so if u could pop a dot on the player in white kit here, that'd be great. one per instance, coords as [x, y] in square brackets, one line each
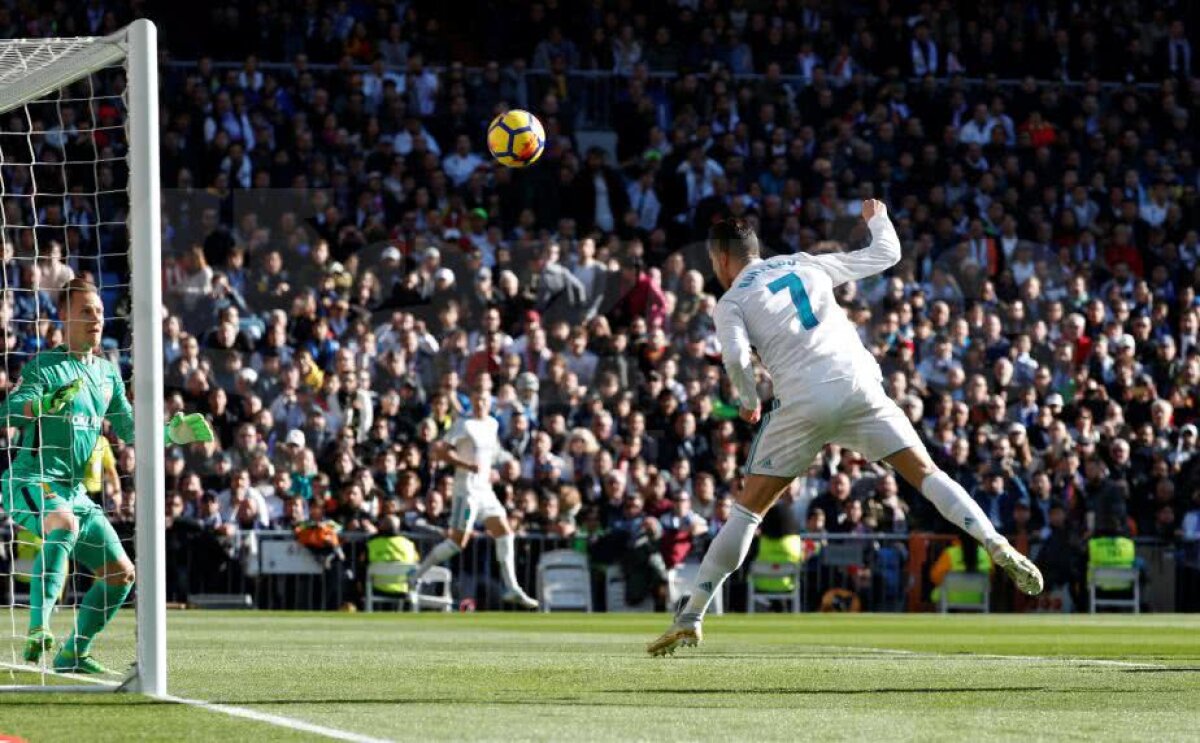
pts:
[472, 446]
[828, 388]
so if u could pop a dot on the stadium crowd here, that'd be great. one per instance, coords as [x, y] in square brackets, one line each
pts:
[343, 263]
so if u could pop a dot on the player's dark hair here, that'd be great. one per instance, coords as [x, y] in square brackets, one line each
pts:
[735, 237]
[76, 286]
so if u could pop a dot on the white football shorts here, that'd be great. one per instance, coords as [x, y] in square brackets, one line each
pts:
[469, 507]
[854, 413]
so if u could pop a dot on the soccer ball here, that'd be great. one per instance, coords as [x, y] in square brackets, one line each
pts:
[516, 138]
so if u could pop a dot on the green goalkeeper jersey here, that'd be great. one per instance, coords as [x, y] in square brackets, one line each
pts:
[56, 448]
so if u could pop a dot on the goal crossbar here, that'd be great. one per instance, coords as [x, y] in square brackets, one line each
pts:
[31, 69]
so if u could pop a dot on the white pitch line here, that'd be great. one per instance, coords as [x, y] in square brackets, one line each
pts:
[246, 713]
[290, 723]
[997, 656]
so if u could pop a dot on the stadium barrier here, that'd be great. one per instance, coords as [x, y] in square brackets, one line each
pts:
[841, 572]
[277, 572]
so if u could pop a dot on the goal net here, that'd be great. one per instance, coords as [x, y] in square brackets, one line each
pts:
[79, 199]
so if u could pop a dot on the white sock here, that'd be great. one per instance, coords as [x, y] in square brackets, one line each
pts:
[504, 558]
[443, 551]
[724, 556]
[959, 508]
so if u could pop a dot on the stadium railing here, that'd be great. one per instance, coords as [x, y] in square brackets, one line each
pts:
[841, 572]
[880, 573]
[277, 572]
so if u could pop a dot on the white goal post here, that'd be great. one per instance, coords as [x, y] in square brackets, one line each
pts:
[31, 70]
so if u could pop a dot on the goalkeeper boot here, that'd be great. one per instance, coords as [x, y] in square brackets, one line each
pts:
[68, 662]
[520, 599]
[38, 642]
[678, 636]
[1019, 567]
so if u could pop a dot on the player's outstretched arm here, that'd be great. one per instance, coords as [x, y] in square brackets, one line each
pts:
[735, 352]
[181, 429]
[880, 255]
[119, 412]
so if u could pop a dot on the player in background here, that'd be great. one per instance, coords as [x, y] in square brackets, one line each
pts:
[60, 403]
[472, 447]
[101, 470]
[828, 388]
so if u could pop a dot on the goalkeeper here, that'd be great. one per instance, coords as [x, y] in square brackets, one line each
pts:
[59, 405]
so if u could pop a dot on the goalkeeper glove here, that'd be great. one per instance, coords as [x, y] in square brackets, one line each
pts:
[56, 401]
[188, 429]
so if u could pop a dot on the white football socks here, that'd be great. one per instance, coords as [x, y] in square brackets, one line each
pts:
[443, 551]
[959, 508]
[505, 559]
[724, 556]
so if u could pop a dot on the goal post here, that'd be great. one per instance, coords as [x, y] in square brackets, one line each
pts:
[145, 235]
[38, 80]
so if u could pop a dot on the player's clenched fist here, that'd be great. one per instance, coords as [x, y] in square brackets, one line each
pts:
[871, 207]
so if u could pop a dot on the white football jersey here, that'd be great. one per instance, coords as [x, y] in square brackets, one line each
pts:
[784, 308]
[475, 440]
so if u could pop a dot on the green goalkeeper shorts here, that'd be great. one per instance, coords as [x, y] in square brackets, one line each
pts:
[27, 501]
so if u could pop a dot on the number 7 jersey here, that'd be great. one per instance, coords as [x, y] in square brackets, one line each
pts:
[784, 308]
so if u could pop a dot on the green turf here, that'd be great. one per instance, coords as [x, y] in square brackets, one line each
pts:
[508, 676]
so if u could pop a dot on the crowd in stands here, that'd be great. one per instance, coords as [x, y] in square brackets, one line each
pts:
[343, 262]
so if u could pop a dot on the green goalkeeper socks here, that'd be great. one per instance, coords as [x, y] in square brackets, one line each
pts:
[100, 605]
[49, 575]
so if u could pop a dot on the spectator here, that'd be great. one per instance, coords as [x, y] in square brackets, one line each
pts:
[681, 528]
[780, 544]
[834, 499]
[640, 297]
[551, 518]
[998, 495]
[962, 556]
[389, 546]
[243, 504]
[460, 164]
[557, 295]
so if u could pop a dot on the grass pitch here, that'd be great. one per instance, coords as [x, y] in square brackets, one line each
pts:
[571, 676]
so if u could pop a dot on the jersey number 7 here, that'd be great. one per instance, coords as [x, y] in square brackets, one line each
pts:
[795, 287]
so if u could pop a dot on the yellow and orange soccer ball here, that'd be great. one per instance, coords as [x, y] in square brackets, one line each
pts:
[516, 138]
